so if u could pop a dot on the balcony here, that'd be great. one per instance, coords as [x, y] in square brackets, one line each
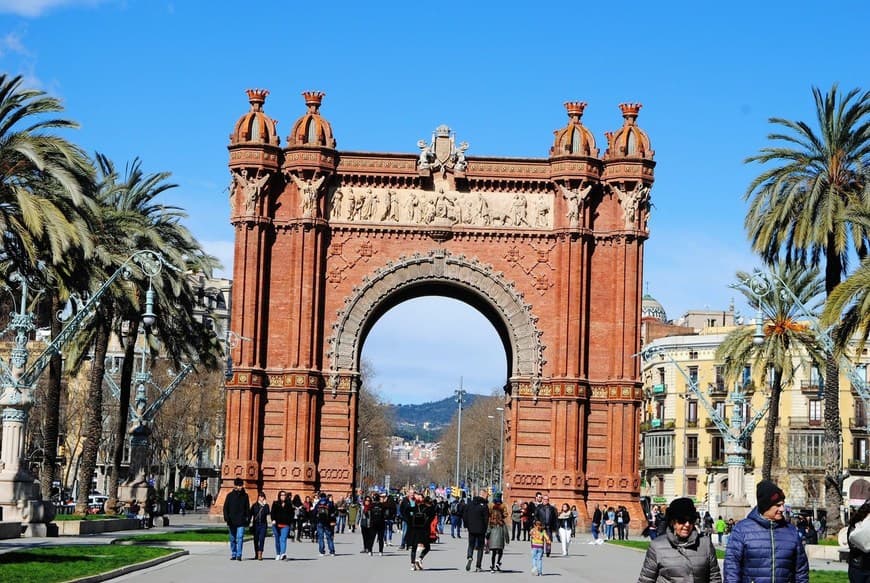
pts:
[813, 388]
[859, 465]
[714, 462]
[804, 422]
[657, 425]
[859, 425]
[749, 387]
[693, 423]
[717, 389]
[710, 425]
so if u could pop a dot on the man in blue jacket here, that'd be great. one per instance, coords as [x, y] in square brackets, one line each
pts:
[764, 547]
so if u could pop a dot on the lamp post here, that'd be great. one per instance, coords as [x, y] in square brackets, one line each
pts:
[19, 495]
[501, 451]
[460, 395]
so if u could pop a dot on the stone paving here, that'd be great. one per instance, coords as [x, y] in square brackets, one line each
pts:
[210, 561]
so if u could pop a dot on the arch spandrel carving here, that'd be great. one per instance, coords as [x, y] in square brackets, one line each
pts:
[438, 266]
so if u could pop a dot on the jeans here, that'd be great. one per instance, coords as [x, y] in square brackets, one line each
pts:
[403, 544]
[388, 532]
[476, 541]
[456, 526]
[259, 537]
[594, 531]
[538, 560]
[341, 523]
[517, 528]
[280, 534]
[237, 539]
[608, 531]
[324, 535]
[565, 538]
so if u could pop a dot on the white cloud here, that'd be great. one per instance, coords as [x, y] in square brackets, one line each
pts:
[36, 8]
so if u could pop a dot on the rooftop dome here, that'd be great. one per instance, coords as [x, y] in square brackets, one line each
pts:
[311, 129]
[629, 141]
[574, 139]
[651, 308]
[255, 127]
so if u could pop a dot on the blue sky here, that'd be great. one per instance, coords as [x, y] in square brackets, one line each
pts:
[165, 81]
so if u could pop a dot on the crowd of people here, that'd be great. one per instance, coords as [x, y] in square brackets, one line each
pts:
[765, 547]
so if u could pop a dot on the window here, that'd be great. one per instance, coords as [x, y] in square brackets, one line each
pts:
[719, 406]
[815, 412]
[693, 355]
[720, 377]
[805, 449]
[711, 322]
[661, 370]
[660, 409]
[658, 450]
[660, 485]
[693, 375]
[860, 413]
[745, 409]
[691, 450]
[747, 375]
[860, 450]
[692, 411]
[718, 449]
[692, 486]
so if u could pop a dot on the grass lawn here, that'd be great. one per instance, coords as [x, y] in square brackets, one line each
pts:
[63, 517]
[815, 576]
[211, 535]
[63, 563]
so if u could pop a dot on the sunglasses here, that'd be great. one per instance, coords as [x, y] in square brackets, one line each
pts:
[684, 520]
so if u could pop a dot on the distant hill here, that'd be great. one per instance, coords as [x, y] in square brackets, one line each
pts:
[410, 418]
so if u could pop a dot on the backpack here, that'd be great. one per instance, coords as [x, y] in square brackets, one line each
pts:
[454, 507]
[377, 514]
[323, 511]
[418, 517]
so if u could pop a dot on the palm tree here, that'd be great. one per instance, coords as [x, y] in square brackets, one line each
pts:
[42, 176]
[44, 217]
[797, 213]
[785, 336]
[848, 306]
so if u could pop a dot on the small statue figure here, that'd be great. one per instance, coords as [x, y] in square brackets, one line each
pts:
[542, 209]
[337, 197]
[631, 202]
[519, 210]
[411, 207]
[461, 163]
[252, 187]
[425, 155]
[308, 193]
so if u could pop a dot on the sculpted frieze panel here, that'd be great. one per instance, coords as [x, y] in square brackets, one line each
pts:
[440, 207]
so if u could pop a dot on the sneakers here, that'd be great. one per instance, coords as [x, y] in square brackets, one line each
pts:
[370, 553]
[534, 571]
[419, 564]
[381, 554]
[492, 569]
[498, 566]
[478, 570]
[322, 554]
[468, 564]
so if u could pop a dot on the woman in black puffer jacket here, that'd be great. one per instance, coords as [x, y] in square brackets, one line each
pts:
[683, 554]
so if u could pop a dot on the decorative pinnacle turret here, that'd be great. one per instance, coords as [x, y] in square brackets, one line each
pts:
[575, 109]
[257, 97]
[313, 100]
[630, 111]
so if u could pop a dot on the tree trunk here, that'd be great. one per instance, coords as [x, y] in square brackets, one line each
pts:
[124, 386]
[93, 421]
[772, 424]
[833, 427]
[52, 407]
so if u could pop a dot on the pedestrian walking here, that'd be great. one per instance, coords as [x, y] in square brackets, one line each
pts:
[282, 516]
[260, 519]
[764, 547]
[858, 537]
[420, 513]
[566, 527]
[476, 519]
[682, 554]
[498, 536]
[720, 527]
[237, 508]
[539, 541]
[324, 517]
[516, 519]
[596, 523]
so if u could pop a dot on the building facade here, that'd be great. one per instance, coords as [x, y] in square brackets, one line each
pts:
[684, 452]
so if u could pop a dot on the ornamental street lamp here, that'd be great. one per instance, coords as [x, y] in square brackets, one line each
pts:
[20, 499]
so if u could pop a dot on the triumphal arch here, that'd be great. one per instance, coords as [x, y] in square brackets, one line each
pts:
[549, 249]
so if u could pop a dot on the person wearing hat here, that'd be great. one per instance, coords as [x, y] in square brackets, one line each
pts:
[764, 547]
[683, 553]
[237, 512]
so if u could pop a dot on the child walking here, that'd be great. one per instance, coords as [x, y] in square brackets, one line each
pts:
[498, 535]
[539, 538]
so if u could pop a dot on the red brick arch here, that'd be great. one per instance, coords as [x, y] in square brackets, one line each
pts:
[549, 249]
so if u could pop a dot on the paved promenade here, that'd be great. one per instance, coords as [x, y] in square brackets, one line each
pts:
[210, 562]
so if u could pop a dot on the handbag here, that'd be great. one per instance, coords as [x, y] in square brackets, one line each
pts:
[859, 537]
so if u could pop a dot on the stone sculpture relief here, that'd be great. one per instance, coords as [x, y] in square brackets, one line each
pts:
[442, 207]
[251, 186]
[576, 201]
[308, 193]
[631, 201]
